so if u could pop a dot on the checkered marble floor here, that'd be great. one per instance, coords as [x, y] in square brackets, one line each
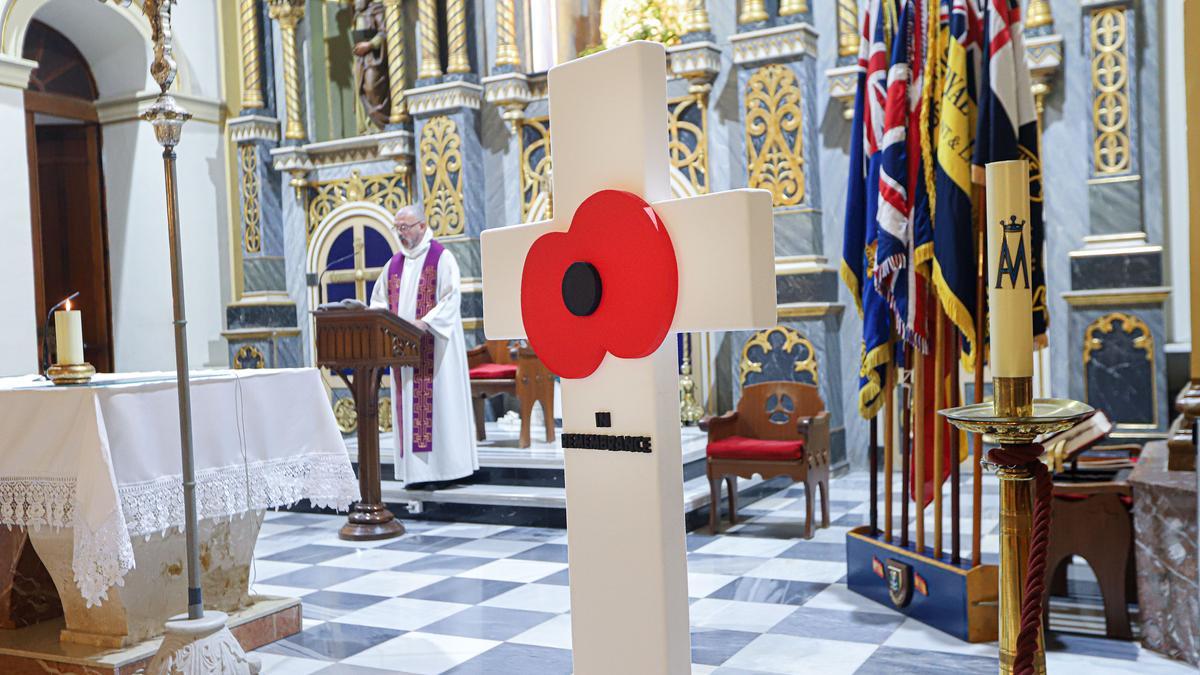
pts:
[467, 598]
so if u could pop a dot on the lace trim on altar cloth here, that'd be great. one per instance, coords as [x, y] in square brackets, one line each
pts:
[102, 556]
[326, 480]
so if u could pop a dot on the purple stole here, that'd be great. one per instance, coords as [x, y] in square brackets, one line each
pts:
[422, 436]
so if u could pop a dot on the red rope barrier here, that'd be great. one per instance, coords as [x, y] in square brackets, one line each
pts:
[1035, 576]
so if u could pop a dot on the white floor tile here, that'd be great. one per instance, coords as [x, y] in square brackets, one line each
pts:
[534, 597]
[490, 548]
[755, 617]
[554, 633]
[467, 530]
[374, 559]
[263, 570]
[913, 634]
[795, 569]
[274, 664]
[387, 583]
[280, 591]
[839, 597]
[402, 613]
[524, 571]
[747, 546]
[701, 584]
[1148, 663]
[790, 654]
[270, 529]
[421, 653]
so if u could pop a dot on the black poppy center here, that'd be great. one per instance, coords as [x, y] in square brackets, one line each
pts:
[581, 289]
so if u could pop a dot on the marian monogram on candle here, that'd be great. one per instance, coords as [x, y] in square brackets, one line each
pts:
[1014, 266]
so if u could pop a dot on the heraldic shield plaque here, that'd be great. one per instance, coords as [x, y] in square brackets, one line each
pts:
[899, 582]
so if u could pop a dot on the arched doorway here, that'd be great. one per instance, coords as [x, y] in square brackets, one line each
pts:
[70, 239]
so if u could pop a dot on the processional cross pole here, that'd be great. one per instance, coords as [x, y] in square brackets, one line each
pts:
[597, 290]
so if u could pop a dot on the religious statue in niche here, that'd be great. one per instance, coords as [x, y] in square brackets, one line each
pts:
[370, 60]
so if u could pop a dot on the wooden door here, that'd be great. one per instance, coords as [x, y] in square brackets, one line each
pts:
[70, 230]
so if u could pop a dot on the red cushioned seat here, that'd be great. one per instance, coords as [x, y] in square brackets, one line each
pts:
[494, 371]
[740, 447]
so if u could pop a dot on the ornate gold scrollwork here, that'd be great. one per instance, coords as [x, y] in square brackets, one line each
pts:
[251, 215]
[774, 144]
[441, 166]
[389, 190]
[385, 414]
[536, 166]
[687, 142]
[345, 415]
[249, 357]
[1111, 152]
[806, 360]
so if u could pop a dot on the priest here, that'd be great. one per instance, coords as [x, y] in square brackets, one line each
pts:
[433, 427]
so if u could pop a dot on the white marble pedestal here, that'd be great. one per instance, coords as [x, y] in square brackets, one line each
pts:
[156, 589]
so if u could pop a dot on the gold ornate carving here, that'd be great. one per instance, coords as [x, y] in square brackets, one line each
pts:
[506, 35]
[289, 13]
[385, 414]
[345, 414]
[389, 190]
[847, 26]
[1111, 152]
[251, 215]
[430, 59]
[393, 22]
[441, 167]
[252, 90]
[774, 146]
[687, 141]
[456, 37]
[805, 363]
[792, 7]
[249, 357]
[753, 11]
[536, 199]
[695, 19]
[1143, 340]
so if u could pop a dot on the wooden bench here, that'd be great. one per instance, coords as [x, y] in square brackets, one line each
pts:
[496, 368]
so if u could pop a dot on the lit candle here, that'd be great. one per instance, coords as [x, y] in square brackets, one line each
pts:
[1010, 298]
[68, 329]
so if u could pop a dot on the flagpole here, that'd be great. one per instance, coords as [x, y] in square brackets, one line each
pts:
[918, 463]
[938, 460]
[905, 428]
[889, 417]
[977, 440]
[955, 460]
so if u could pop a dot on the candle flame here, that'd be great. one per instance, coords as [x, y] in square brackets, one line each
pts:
[68, 305]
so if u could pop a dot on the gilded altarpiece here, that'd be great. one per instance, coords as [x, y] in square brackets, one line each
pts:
[441, 167]
[389, 190]
[774, 138]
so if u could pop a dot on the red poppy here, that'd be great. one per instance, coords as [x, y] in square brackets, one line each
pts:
[609, 284]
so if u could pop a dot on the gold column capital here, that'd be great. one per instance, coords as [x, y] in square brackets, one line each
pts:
[430, 58]
[695, 20]
[753, 11]
[506, 35]
[287, 12]
[1038, 15]
[456, 37]
[848, 29]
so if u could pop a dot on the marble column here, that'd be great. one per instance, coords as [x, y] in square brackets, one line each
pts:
[777, 94]
[1117, 321]
[289, 13]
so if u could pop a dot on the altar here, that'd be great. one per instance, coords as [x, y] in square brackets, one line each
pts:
[91, 475]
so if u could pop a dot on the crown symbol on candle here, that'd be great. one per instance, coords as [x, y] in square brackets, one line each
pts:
[1012, 225]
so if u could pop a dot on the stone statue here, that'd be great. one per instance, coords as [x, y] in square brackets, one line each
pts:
[370, 60]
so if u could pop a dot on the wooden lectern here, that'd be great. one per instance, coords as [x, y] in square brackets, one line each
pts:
[366, 342]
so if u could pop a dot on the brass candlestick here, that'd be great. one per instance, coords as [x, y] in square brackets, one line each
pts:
[1016, 419]
[70, 373]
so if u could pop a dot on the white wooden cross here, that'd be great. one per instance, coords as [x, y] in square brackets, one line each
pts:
[625, 521]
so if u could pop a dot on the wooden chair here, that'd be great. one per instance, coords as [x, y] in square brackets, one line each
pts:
[493, 370]
[778, 429]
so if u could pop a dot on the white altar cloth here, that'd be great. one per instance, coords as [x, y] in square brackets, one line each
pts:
[105, 458]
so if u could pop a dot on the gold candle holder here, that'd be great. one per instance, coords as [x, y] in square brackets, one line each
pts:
[1015, 418]
[70, 373]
